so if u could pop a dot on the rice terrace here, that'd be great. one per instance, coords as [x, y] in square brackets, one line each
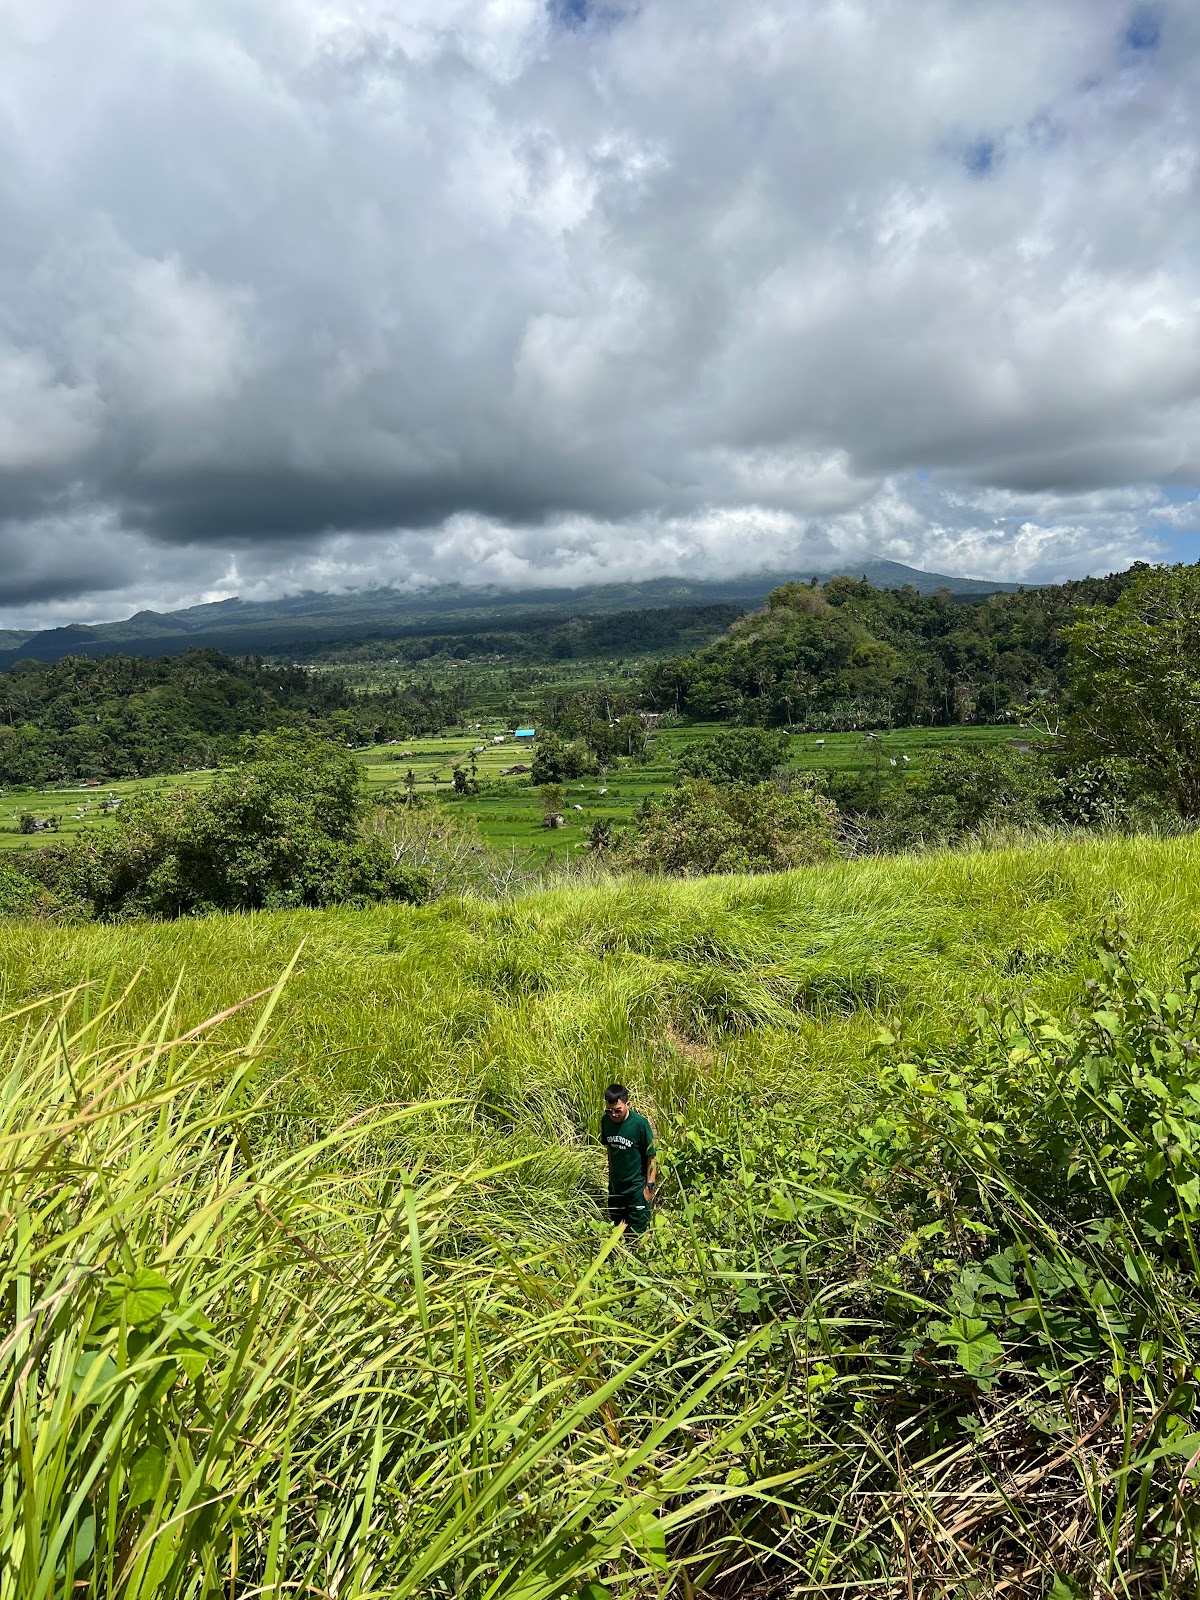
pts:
[599, 800]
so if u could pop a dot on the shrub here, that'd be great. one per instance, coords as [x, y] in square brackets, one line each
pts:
[958, 793]
[20, 893]
[282, 828]
[430, 843]
[556, 761]
[993, 1287]
[739, 755]
[738, 827]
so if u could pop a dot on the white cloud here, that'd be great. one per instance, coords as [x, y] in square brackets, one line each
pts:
[346, 291]
[997, 534]
[44, 422]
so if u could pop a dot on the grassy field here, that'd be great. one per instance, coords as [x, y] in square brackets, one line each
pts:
[320, 1298]
[509, 812]
[695, 991]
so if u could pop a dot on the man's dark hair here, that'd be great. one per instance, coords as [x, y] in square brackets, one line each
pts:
[615, 1092]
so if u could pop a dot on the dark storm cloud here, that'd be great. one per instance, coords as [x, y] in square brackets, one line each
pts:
[212, 504]
[312, 292]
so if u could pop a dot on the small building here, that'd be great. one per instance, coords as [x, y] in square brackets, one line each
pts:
[523, 733]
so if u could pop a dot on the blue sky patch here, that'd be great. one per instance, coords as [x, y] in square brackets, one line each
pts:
[570, 13]
[1144, 29]
[591, 16]
[980, 157]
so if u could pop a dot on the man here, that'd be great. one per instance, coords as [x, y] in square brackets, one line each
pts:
[632, 1160]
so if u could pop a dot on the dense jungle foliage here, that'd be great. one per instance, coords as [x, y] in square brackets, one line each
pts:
[846, 655]
[131, 716]
[284, 825]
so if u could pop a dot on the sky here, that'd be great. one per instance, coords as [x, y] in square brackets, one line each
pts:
[324, 294]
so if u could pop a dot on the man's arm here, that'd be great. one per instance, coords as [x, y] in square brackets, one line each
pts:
[651, 1158]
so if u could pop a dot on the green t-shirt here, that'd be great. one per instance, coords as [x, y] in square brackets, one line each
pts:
[630, 1144]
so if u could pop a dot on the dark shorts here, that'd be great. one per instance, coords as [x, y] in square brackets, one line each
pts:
[634, 1210]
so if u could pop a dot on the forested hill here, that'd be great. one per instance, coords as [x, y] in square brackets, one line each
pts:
[133, 716]
[307, 622]
[846, 655]
[530, 639]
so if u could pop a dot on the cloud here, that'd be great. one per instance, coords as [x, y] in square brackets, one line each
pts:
[321, 292]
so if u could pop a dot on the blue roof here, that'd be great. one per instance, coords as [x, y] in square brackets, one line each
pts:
[522, 733]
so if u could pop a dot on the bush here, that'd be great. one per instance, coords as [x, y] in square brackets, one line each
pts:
[280, 829]
[740, 755]
[993, 1284]
[738, 827]
[20, 893]
[430, 843]
[556, 761]
[1135, 684]
[958, 793]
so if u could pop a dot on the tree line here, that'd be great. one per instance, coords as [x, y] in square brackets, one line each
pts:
[535, 641]
[137, 716]
[844, 655]
[1115, 745]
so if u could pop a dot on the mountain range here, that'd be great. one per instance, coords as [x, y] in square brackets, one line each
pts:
[270, 627]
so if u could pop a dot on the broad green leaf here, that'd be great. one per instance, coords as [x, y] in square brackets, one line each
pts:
[78, 1551]
[974, 1346]
[1063, 1589]
[145, 1476]
[191, 1361]
[649, 1540]
[92, 1371]
[144, 1294]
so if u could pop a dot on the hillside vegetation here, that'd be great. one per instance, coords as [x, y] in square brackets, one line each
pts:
[130, 716]
[918, 1311]
[309, 1280]
[848, 655]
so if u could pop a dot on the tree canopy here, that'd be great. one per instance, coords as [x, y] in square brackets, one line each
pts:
[738, 755]
[846, 655]
[134, 716]
[1135, 682]
[700, 827]
[280, 828]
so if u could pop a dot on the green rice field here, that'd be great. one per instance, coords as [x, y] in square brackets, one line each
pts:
[509, 812]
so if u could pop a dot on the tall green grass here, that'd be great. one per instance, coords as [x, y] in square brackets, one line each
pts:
[313, 1292]
[233, 1370]
[533, 1003]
